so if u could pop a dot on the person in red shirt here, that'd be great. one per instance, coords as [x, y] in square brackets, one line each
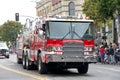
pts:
[102, 54]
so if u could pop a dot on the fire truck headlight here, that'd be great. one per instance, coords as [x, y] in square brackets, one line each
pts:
[86, 53]
[53, 48]
[88, 48]
[49, 48]
[57, 48]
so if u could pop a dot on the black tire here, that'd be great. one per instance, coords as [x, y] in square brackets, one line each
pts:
[19, 61]
[24, 61]
[7, 56]
[83, 69]
[42, 68]
[28, 65]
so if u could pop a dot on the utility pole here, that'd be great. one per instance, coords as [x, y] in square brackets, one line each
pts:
[116, 27]
[104, 37]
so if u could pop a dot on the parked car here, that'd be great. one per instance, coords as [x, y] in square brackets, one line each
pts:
[4, 50]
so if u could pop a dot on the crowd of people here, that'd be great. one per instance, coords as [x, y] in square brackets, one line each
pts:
[108, 54]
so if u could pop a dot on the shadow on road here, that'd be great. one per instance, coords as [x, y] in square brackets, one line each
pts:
[69, 72]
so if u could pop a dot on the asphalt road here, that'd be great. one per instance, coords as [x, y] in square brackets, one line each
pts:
[10, 70]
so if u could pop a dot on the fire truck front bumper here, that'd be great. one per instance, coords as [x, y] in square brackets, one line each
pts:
[61, 58]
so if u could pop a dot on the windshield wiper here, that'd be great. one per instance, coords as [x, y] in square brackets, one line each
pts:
[77, 34]
[73, 31]
[66, 35]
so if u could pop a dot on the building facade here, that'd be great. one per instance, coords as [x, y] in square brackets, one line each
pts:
[59, 7]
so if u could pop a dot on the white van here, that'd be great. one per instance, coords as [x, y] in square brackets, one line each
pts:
[4, 50]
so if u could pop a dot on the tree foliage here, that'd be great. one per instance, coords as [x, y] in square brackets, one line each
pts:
[101, 10]
[9, 30]
[90, 8]
[106, 9]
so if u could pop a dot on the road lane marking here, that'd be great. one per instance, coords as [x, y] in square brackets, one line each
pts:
[23, 73]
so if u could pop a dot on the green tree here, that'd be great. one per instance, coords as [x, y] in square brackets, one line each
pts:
[90, 8]
[9, 30]
[106, 9]
[101, 10]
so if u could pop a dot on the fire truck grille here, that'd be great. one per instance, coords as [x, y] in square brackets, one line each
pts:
[73, 49]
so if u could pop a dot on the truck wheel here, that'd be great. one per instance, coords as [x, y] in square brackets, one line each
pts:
[83, 69]
[7, 56]
[24, 61]
[42, 68]
[19, 61]
[28, 65]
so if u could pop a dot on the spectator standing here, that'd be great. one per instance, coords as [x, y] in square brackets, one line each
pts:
[112, 58]
[107, 55]
[105, 45]
[116, 51]
[102, 54]
[97, 52]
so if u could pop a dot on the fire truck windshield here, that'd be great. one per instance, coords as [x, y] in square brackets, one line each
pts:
[70, 30]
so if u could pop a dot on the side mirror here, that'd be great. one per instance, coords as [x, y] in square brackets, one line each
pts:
[88, 36]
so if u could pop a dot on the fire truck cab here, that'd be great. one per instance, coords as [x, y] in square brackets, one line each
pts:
[60, 43]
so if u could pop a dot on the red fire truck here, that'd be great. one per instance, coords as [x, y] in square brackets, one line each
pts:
[60, 43]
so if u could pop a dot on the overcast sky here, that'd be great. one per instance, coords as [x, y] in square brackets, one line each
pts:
[8, 8]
